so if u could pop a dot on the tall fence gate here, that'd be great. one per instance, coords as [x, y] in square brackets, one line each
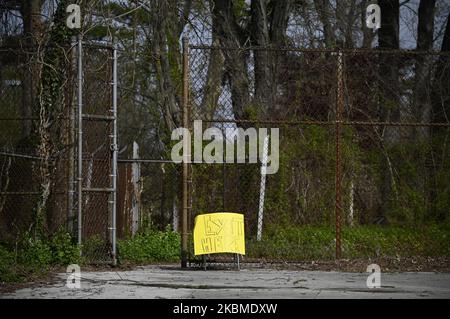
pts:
[78, 163]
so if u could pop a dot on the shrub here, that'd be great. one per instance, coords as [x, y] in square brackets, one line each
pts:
[7, 270]
[34, 256]
[64, 250]
[151, 246]
[35, 253]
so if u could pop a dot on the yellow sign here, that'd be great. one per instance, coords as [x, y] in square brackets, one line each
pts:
[219, 233]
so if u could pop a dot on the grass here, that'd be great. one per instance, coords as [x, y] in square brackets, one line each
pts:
[318, 243]
[34, 257]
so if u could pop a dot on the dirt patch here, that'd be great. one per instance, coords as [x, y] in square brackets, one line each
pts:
[42, 279]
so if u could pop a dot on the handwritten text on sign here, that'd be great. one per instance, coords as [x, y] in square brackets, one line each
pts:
[219, 233]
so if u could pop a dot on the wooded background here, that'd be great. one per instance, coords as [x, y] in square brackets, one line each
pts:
[259, 63]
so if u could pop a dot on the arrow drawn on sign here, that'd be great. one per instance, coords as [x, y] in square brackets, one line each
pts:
[213, 227]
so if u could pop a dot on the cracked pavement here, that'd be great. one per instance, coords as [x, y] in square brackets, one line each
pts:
[172, 282]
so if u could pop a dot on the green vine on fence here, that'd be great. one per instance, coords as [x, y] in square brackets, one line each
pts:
[51, 105]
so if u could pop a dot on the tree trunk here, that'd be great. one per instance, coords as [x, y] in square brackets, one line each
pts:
[422, 95]
[264, 81]
[368, 34]
[231, 36]
[324, 12]
[389, 110]
[32, 28]
[161, 32]
[279, 18]
[214, 77]
[422, 103]
[279, 21]
[440, 114]
[441, 95]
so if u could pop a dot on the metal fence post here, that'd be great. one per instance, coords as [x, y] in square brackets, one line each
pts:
[262, 189]
[185, 201]
[114, 148]
[80, 139]
[338, 177]
[71, 142]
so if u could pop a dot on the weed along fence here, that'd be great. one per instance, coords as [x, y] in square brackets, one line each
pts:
[343, 153]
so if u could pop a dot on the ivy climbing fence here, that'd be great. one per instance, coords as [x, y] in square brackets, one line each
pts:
[58, 144]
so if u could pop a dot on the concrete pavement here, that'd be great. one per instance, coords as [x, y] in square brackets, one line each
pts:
[172, 282]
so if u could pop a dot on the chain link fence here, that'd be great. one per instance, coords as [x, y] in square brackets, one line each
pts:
[363, 153]
[363, 157]
[24, 174]
[40, 141]
[97, 151]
